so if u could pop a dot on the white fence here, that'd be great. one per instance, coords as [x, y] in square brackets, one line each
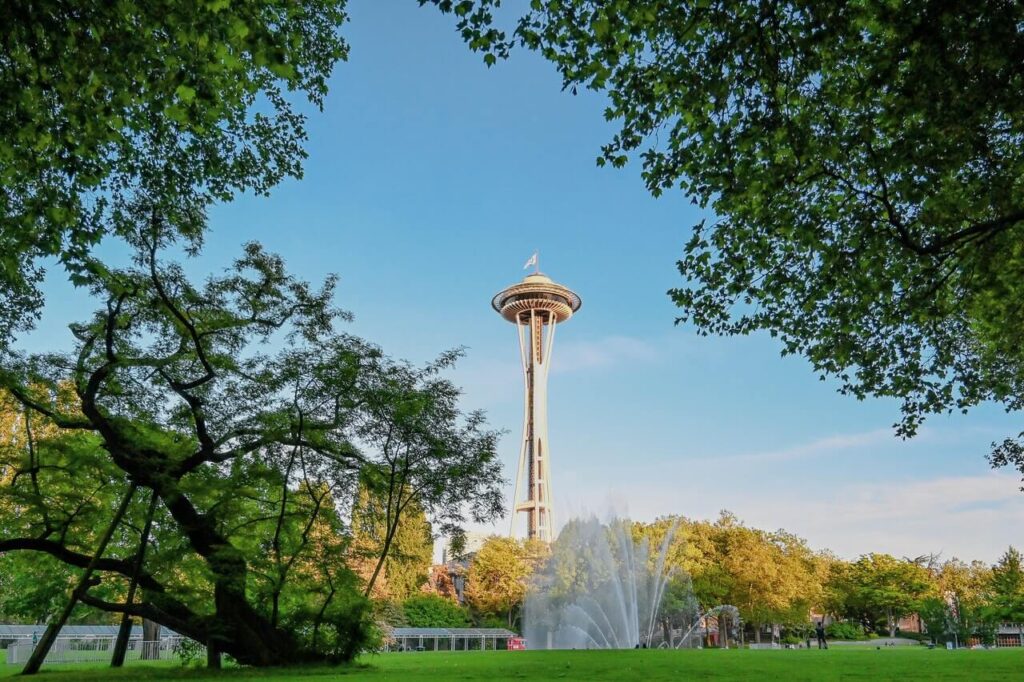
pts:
[94, 650]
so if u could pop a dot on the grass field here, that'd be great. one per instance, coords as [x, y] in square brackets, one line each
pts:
[599, 666]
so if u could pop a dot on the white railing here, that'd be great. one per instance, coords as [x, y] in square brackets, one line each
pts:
[93, 650]
[446, 642]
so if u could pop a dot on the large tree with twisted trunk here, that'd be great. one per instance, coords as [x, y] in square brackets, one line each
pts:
[172, 389]
[132, 122]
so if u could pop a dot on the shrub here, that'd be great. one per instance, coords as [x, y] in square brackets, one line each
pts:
[431, 611]
[390, 613]
[845, 631]
[189, 652]
[492, 621]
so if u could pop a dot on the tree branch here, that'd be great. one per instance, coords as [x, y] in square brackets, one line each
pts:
[63, 421]
[77, 559]
[179, 623]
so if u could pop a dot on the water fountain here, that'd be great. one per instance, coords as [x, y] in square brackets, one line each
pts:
[599, 589]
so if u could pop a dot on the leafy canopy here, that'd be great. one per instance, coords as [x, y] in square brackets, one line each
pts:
[496, 582]
[877, 590]
[404, 559]
[101, 98]
[432, 611]
[191, 100]
[1007, 586]
[864, 162]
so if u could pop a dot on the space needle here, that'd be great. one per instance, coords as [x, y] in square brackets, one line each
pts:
[536, 306]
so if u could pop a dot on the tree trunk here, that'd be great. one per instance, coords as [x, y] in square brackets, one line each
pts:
[212, 656]
[125, 631]
[35, 661]
[150, 640]
[236, 628]
[323, 609]
[389, 537]
[245, 634]
[757, 632]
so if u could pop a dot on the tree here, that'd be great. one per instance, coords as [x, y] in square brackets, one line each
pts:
[35, 461]
[1008, 574]
[966, 582]
[679, 608]
[937, 617]
[245, 450]
[805, 572]
[691, 553]
[767, 583]
[406, 564]
[862, 162]
[960, 607]
[712, 583]
[964, 587]
[1007, 586]
[32, 589]
[879, 589]
[431, 611]
[429, 461]
[773, 578]
[409, 560]
[497, 579]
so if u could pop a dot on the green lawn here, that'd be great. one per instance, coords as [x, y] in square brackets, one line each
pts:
[597, 666]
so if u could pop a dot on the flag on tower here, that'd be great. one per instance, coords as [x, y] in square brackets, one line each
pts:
[532, 261]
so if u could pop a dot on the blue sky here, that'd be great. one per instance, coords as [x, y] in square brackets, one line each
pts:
[431, 179]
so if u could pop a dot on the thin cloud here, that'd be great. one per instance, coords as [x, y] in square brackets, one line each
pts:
[821, 446]
[970, 517]
[968, 496]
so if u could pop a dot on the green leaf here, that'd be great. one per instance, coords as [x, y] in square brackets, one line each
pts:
[185, 93]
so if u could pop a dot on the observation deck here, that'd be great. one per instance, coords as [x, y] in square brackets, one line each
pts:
[537, 292]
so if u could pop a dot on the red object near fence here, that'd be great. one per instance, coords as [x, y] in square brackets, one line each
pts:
[516, 644]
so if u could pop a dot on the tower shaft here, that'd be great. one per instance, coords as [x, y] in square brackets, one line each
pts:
[535, 346]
